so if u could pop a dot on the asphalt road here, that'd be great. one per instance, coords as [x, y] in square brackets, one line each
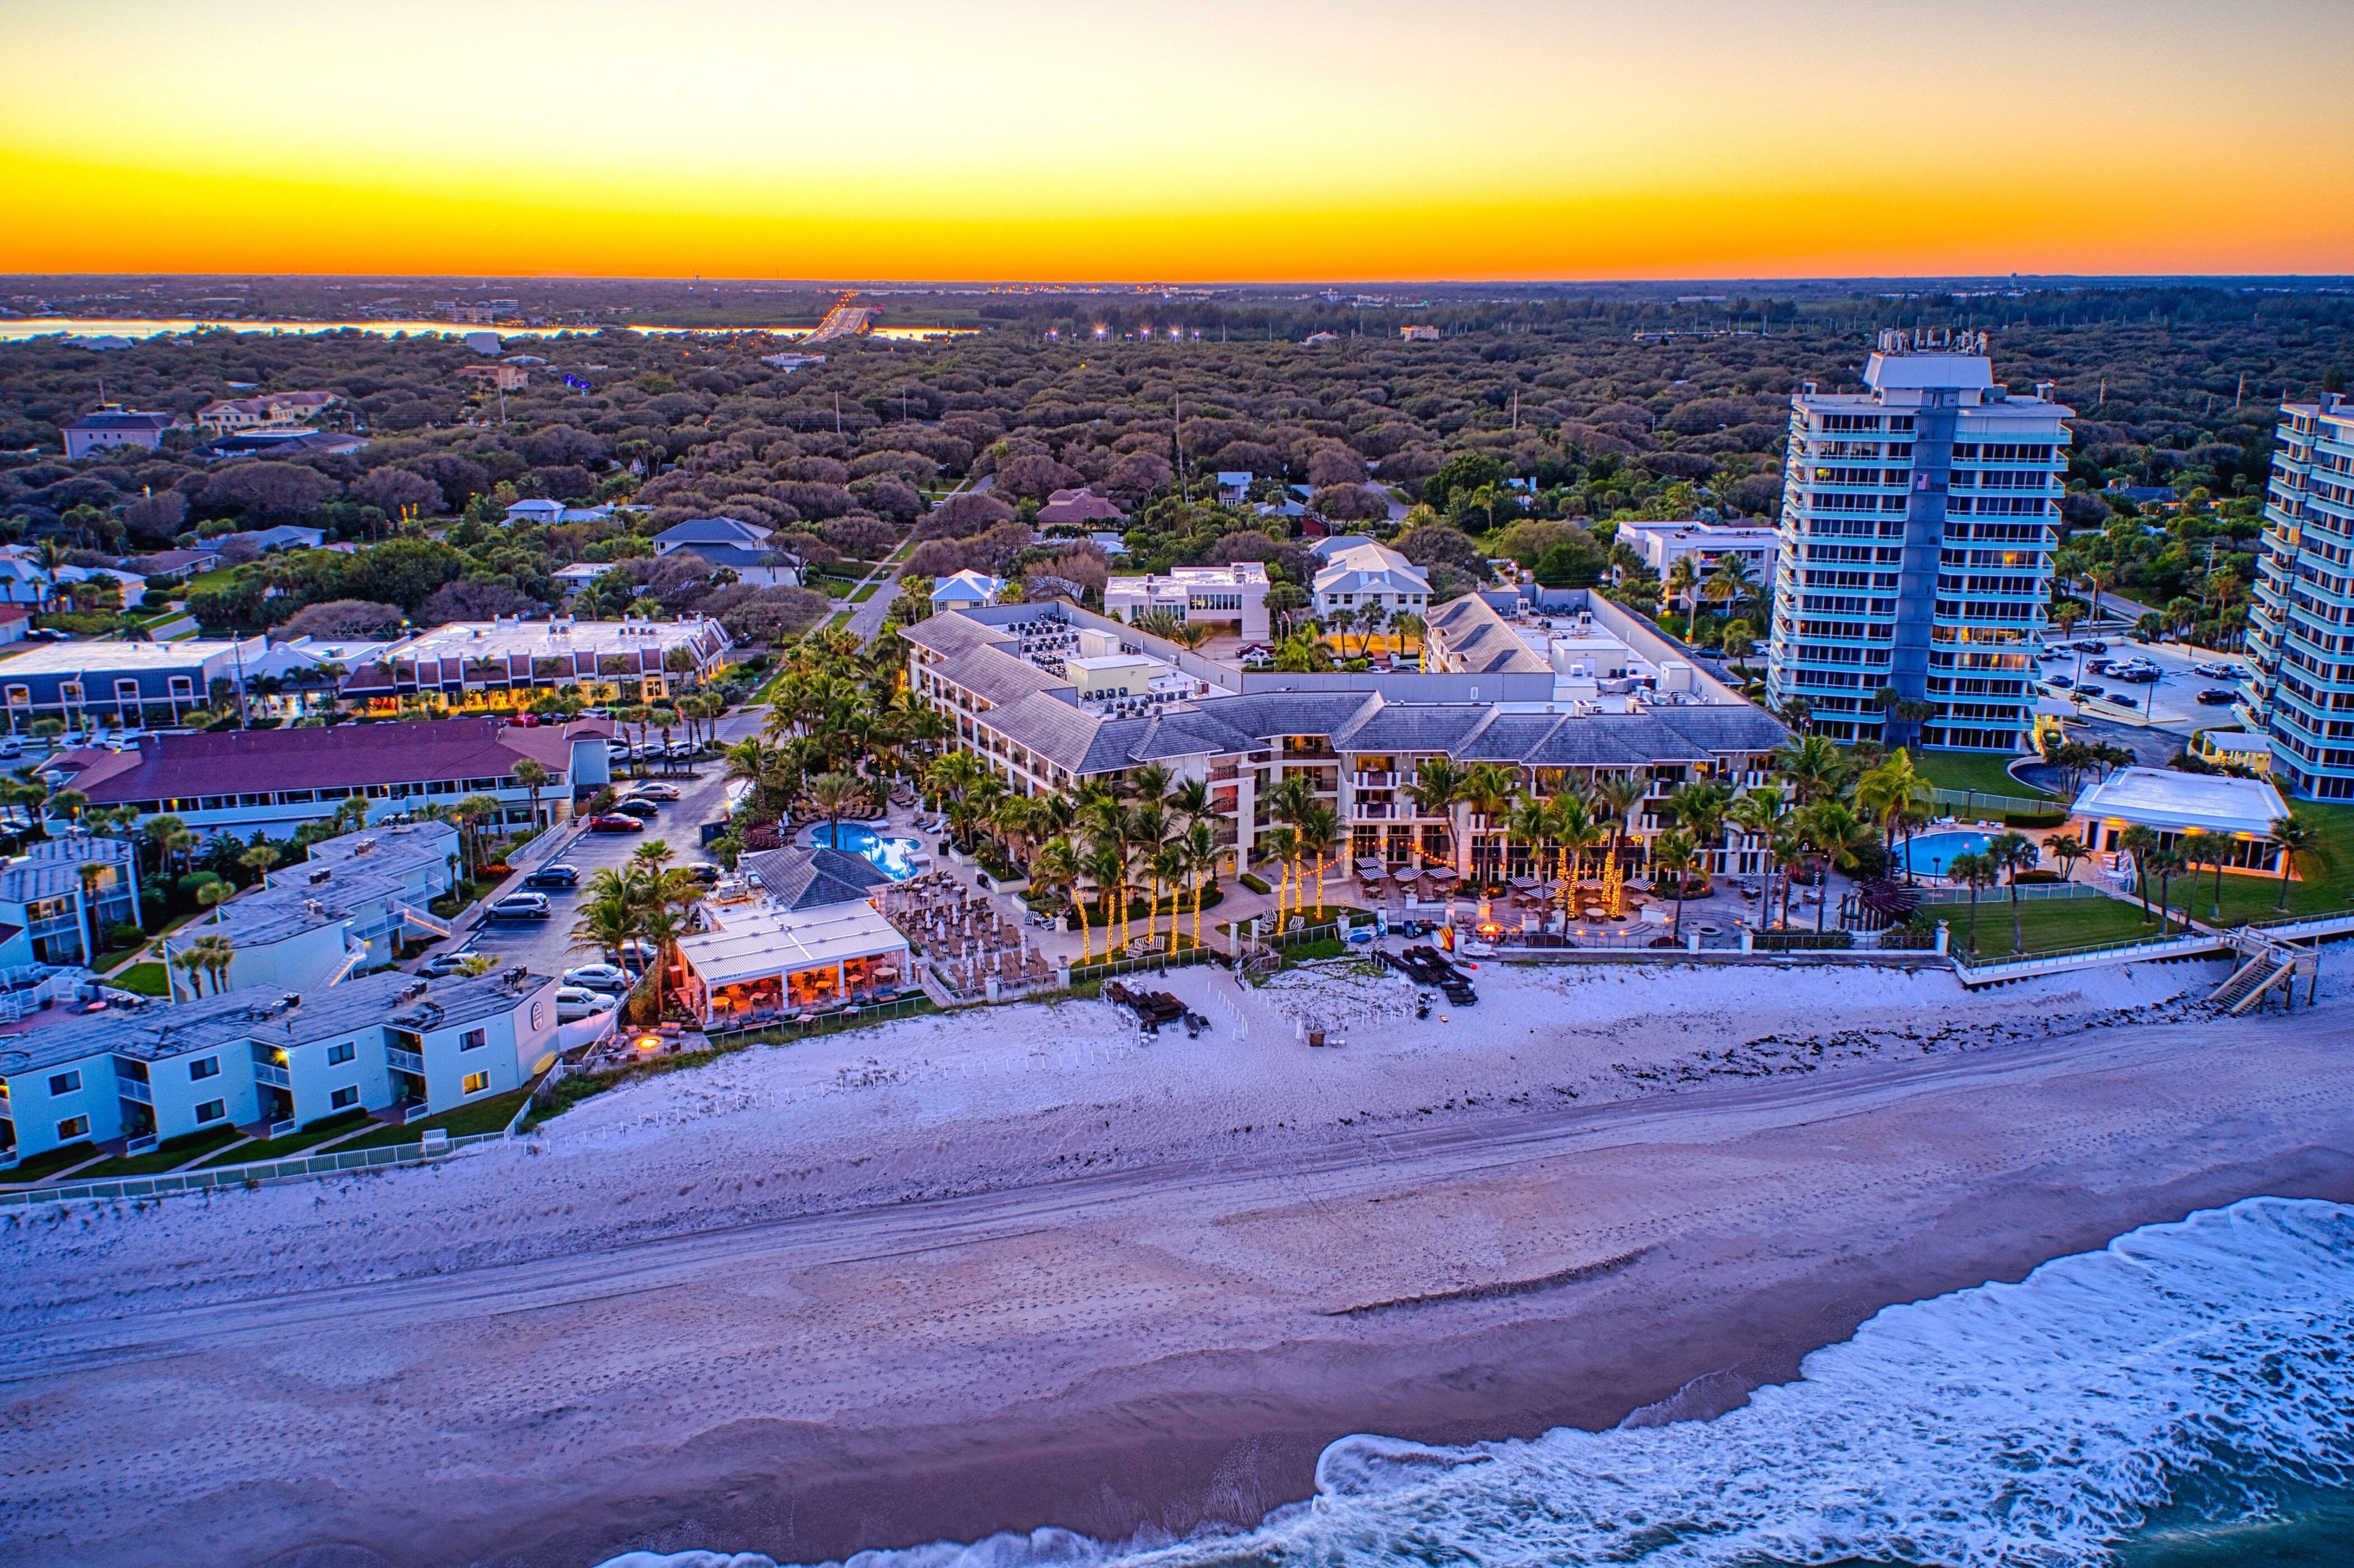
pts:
[2172, 704]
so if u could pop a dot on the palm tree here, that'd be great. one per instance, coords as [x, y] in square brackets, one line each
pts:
[1891, 793]
[1677, 587]
[2012, 853]
[192, 963]
[1814, 766]
[1530, 820]
[1318, 829]
[1283, 847]
[1834, 833]
[1435, 791]
[2168, 862]
[2296, 836]
[533, 775]
[1488, 789]
[2067, 849]
[663, 926]
[1055, 868]
[1729, 584]
[1105, 865]
[1671, 855]
[1764, 813]
[2141, 843]
[833, 795]
[1615, 797]
[214, 955]
[1199, 845]
[1972, 871]
[1699, 808]
[2199, 848]
[607, 924]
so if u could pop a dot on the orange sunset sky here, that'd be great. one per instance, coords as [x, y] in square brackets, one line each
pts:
[1214, 141]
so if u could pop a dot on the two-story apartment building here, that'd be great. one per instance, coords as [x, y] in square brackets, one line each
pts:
[57, 898]
[123, 685]
[1660, 545]
[344, 911]
[503, 665]
[271, 1061]
[274, 780]
[262, 411]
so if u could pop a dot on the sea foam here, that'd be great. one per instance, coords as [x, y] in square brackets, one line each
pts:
[2027, 1425]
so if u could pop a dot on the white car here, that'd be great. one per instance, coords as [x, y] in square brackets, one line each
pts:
[600, 978]
[573, 1002]
[654, 792]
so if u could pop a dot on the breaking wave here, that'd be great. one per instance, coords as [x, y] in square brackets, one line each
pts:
[2205, 1366]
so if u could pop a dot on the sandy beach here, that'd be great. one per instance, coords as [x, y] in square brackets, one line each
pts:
[1018, 1268]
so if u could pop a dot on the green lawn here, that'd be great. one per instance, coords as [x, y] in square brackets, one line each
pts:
[294, 1142]
[484, 1116]
[2325, 882]
[148, 980]
[205, 582]
[865, 593]
[50, 1162]
[2048, 926]
[1979, 770]
[171, 1152]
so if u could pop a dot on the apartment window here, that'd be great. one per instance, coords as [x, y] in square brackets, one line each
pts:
[69, 691]
[340, 1052]
[212, 1110]
[126, 691]
[73, 1127]
[20, 697]
[64, 1083]
[473, 1040]
[476, 1083]
[204, 1067]
[344, 1098]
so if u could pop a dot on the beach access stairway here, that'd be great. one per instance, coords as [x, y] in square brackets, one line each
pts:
[2266, 962]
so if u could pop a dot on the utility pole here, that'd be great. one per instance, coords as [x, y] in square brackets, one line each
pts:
[837, 416]
[1177, 445]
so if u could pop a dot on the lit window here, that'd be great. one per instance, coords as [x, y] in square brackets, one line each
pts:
[212, 1110]
[476, 1083]
[73, 1127]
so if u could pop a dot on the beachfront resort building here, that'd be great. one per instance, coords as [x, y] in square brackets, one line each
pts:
[121, 686]
[274, 780]
[270, 1061]
[2298, 690]
[492, 667]
[2174, 804]
[1231, 597]
[1567, 702]
[1919, 521]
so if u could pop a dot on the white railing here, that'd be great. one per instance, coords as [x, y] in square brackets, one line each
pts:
[135, 1090]
[407, 1061]
[270, 1170]
[276, 1077]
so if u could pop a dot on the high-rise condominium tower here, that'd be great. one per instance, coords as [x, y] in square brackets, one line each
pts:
[2301, 613]
[1918, 521]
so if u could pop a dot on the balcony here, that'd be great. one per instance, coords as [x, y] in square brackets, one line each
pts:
[272, 1077]
[1373, 811]
[1375, 780]
[134, 1089]
[405, 1061]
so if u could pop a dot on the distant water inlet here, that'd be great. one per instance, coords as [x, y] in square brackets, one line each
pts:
[18, 329]
[2180, 1397]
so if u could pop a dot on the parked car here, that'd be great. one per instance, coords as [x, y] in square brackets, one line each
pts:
[707, 872]
[615, 823]
[2092, 645]
[518, 907]
[2216, 697]
[441, 964]
[681, 751]
[2090, 690]
[555, 875]
[2063, 681]
[644, 810]
[573, 1002]
[654, 789]
[600, 978]
[2216, 671]
[12, 747]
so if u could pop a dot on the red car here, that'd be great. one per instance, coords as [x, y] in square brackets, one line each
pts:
[614, 822]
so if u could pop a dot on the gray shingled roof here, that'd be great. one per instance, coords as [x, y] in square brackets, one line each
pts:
[1480, 640]
[801, 876]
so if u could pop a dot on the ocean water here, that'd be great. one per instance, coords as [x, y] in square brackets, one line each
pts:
[2184, 1398]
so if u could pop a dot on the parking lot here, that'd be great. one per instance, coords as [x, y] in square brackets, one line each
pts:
[2170, 703]
[545, 946]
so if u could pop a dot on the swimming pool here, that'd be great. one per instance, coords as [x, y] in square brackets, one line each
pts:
[894, 857]
[1929, 855]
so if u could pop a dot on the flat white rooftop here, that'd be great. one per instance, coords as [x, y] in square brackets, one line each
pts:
[2175, 803]
[759, 941]
[497, 638]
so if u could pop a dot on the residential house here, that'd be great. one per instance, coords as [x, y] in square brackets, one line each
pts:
[965, 590]
[15, 621]
[722, 531]
[760, 567]
[1233, 485]
[495, 378]
[267, 410]
[1358, 574]
[1418, 332]
[271, 1061]
[1080, 508]
[288, 537]
[111, 425]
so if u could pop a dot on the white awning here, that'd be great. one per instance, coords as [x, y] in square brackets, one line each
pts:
[756, 941]
[2177, 802]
